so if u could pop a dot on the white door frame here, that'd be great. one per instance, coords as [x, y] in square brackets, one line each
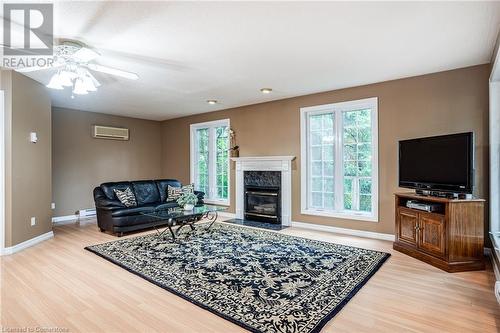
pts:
[2, 172]
[494, 90]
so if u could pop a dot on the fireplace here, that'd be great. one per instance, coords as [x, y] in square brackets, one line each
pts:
[263, 196]
[264, 187]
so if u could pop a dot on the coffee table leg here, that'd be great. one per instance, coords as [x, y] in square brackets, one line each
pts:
[178, 230]
[212, 220]
[171, 232]
[169, 227]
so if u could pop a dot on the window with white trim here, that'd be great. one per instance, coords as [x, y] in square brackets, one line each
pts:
[339, 164]
[210, 160]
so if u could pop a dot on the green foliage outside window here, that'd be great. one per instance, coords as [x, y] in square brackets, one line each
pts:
[357, 144]
[222, 143]
[202, 137]
[221, 159]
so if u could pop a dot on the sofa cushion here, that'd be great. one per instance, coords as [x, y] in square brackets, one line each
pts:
[163, 187]
[126, 197]
[132, 211]
[102, 201]
[146, 192]
[174, 193]
[109, 188]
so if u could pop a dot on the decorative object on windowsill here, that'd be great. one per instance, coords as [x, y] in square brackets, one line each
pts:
[187, 201]
[234, 150]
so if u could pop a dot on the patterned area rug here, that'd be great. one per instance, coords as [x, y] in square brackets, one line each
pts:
[261, 280]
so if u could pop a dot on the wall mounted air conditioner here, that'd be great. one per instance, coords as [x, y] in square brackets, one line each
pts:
[111, 133]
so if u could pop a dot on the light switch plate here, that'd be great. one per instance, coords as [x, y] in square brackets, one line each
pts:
[53, 205]
[33, 221]
[33, 137]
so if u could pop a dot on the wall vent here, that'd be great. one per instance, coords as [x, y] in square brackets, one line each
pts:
[110, 133]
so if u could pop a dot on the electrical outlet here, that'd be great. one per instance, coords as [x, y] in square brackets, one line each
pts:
[33, 221]
[53, 205]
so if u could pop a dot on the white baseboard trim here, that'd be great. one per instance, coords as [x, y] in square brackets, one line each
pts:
[496, 270]
[227, 214]
[28, 243]
[73, 218]
[345, 231]
[62, 219]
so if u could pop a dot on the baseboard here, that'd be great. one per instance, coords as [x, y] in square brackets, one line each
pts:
[62, 219]
[344, 231]
[227, 214]
[28, 243]
[496, 269]
[72, 218]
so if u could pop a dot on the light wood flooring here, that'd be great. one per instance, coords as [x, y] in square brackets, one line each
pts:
[58, 284]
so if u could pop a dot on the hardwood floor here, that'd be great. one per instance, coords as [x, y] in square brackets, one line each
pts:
[58, 284]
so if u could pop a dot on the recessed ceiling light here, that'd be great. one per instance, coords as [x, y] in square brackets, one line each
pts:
[266, 90]
[212, 101]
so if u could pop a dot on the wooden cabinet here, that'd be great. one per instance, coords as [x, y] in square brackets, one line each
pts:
[450, 238]
[431, 234]
[407, 226]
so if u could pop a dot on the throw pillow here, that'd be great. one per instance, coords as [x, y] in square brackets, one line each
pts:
[126, 197]
[175, 193]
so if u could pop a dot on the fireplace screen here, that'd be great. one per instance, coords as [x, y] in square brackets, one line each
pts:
[262, 204]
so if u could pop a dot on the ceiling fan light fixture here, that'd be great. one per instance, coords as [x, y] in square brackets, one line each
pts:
[55, 82]
[66, 78]
[79, 88]
[87, 83]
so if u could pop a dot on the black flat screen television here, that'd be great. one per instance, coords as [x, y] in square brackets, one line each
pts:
[439, 163]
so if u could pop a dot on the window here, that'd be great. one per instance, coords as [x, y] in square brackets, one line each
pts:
[210, 160]
[339, 170]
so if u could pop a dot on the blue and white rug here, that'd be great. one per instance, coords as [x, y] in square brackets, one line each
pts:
[261, 280]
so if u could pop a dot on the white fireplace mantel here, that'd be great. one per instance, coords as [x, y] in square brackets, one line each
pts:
[266, 163]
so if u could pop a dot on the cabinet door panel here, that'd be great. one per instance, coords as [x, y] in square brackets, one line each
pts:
[432, 234]
[407, 226]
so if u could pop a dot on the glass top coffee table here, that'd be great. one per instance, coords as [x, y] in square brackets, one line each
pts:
[179, 217]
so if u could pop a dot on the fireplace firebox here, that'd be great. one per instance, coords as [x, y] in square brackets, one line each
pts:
[263, 196]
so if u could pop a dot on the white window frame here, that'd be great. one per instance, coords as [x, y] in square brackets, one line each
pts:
[2, 172]
[211, 125]
[337, 109]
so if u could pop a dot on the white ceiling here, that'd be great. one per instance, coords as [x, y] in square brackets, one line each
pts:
[187, 52]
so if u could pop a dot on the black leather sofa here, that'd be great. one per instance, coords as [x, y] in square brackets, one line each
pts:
[115, 217]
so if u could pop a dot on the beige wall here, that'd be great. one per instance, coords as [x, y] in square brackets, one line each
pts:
[81, 162]
[440, 103]
[28, 165]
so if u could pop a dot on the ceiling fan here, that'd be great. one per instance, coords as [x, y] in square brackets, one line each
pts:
[74, 64]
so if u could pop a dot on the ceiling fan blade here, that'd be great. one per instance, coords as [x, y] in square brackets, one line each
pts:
[154, 62]
[35, 68]
[85, 54]
[113, 71]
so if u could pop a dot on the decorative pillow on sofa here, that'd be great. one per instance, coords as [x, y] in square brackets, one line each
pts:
[175, 193]
[126, 197]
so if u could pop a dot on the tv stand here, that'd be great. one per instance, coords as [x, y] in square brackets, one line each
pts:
[451, 237]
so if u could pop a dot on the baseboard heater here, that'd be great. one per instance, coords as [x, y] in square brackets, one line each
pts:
[86, 212]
